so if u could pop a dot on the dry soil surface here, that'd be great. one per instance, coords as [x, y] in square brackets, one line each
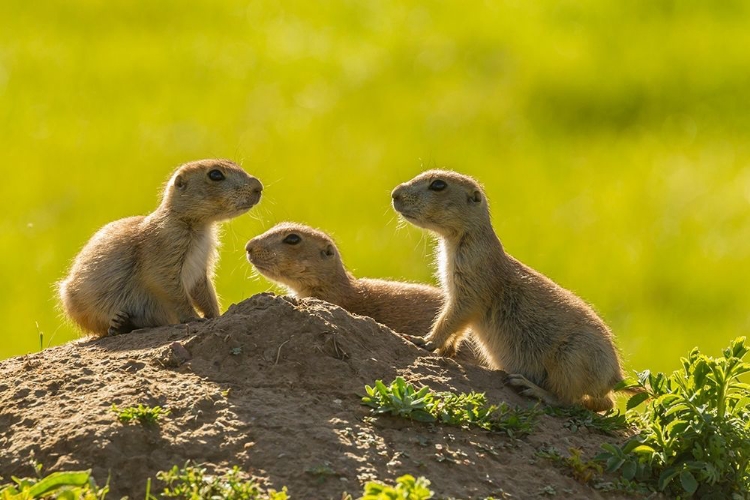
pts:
[273, 386]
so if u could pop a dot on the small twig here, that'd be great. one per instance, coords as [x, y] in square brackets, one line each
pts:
[339, 353]
[278, 353]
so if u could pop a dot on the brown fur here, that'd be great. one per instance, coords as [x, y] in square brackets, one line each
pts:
[551, 342]
[313, 268]
[157, 270]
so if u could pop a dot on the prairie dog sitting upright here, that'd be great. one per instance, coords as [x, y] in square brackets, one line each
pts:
[551, 342]
[157, 270]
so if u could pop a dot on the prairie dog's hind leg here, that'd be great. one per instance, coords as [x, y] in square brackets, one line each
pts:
[529, 389]
[451, 346]
[603, 403]
[120, 323]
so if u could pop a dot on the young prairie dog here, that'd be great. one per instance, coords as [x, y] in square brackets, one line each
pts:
[157, 270]
[308, 263]
[552, 343]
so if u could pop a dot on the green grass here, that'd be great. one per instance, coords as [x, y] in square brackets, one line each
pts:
[192, 482]
[612, 139]
[402, 399]
[145, 415]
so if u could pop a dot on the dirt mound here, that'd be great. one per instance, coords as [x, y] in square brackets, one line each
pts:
[274, 386]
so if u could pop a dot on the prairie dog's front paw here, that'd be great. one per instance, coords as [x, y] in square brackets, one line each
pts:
[448, 351]
[419, 342]
[430, 346]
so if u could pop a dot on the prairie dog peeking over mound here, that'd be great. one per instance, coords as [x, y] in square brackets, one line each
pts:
[308, 263]
[552, 343]
[157, 269]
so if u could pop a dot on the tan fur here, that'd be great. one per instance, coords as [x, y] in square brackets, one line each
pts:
[313, 268]
[551, 342]
[157, 270]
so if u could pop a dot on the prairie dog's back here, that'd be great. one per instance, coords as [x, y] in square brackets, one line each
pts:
[405, 307]
[106, 261]
[308, 263]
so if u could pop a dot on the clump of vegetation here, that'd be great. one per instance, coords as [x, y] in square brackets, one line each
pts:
[609, 423]
[78, 485]
[145, 415]
[321, 471]
[403, 399]
[192, 483]
[695, 430]
[583, 471]
[406, 488]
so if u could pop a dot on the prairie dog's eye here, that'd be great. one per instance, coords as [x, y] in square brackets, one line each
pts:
[216, 175]
[291, 239]
[437, 185]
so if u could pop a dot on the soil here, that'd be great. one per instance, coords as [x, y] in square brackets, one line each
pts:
[273, 386]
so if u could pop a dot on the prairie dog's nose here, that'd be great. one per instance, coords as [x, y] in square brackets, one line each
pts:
[249, 246]
[256, 185]
[396, 193]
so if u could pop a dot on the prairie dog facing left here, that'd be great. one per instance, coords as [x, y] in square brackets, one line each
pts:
[155, 270]
[308, 263]
[553, 344]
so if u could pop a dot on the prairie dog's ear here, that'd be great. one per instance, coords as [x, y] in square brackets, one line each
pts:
[180, 182]
[476, 197]
[327, 252]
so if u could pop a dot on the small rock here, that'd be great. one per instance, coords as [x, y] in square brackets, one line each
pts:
[174, 355]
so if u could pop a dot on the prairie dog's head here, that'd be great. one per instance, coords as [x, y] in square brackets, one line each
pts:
[297, 256]
[442, 201]
[211, 190]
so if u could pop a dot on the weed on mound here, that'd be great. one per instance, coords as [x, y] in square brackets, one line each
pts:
[694, 433]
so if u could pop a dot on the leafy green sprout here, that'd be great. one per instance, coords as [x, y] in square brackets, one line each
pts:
[583, 471]
[70, 485]
[400, 398]
[694, 430]
[145, 415]
[406, 488]
[192, 482]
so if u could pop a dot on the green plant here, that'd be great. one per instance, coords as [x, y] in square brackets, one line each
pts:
[400, 399]
[406, 488]
[576, 417]
[695, 430]
[584, 471]
[146, 415]
[403, 399]
[74, 485]
[192, 483]
[321, 471]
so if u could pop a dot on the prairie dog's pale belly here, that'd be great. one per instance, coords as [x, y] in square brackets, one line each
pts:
[200, 254]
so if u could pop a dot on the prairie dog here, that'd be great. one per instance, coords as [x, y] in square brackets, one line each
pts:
[157, 269]
[307, 262]
[552, 343]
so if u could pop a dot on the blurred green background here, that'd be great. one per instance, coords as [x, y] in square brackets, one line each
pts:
[612, 138]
